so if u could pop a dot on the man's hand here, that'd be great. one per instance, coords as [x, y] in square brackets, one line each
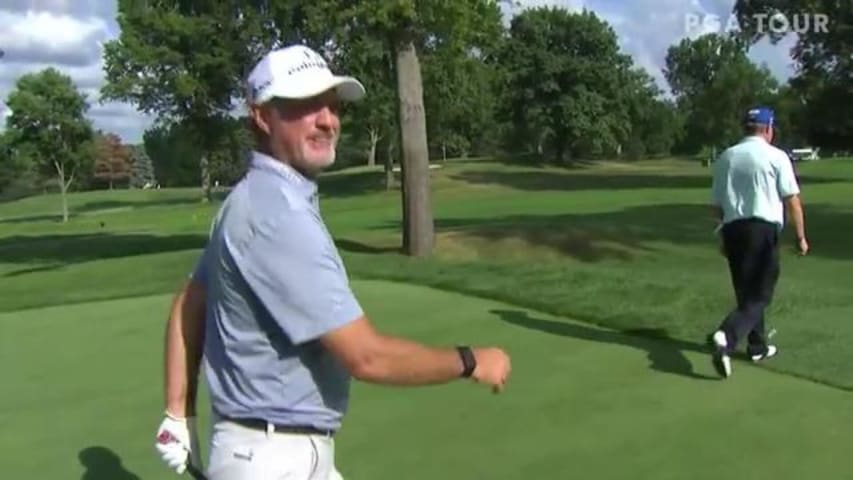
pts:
[493, 367]
[177, 440]
[803, 246]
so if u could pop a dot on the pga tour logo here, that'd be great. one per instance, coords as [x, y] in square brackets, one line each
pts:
[777, 23]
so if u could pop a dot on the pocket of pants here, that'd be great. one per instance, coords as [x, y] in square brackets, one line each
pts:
[324, 459]
[235, 454]
[234, 462]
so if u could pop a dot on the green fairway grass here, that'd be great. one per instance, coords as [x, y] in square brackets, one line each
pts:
[628, 246]
[581, 401]
[520, 250]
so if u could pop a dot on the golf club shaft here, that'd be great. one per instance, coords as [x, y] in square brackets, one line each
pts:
[195, 472]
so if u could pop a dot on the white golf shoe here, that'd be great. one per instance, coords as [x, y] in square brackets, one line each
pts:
[771, 351]
[721, 360]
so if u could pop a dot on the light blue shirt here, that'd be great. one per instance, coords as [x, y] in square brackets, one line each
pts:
[751, 180]
[275, 283]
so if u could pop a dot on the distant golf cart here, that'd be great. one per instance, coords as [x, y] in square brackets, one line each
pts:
[805, 154]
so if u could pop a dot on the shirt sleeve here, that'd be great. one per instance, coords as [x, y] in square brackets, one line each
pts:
[718, 184]
[786, 181]
[295, 271]
[200, 272]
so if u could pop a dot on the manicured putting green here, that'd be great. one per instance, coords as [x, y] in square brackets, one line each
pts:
[83, 398]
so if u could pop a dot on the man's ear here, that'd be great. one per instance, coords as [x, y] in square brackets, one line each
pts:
[260, 117]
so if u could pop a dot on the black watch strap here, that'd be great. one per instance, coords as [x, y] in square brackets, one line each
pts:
[469, 363]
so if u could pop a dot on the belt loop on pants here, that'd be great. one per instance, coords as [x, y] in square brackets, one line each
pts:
[270, 429]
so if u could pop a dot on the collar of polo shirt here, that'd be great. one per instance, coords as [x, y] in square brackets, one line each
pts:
[302, 183]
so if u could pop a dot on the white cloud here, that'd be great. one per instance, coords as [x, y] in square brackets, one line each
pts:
[777, 57]
[89, 76]
[76, 8]
[647, 28]
[46, 37]
[68, 36]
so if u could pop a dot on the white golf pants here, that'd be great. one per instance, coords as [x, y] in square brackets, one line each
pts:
[241, 453]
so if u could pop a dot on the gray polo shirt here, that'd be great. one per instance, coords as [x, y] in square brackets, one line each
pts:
[275, 283]
[751, 180]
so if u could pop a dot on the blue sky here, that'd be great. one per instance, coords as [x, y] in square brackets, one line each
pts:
[68, 35]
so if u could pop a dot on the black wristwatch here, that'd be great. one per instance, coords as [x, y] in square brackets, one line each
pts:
[469, 363]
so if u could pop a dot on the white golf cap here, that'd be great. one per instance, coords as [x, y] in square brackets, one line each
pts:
[297, 72]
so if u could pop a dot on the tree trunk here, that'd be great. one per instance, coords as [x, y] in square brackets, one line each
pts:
[371, 152]
[389, 166]
[443, 152]
[404, 199]
[205, 179]
[561, 151]
[418, 227]
[63, 188]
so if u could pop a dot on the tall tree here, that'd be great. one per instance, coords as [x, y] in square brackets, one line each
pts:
[459, 94]
[229, 157]
[654, 124]
[406, 27]
[714, 82]
[824, 54]
[19, 174]
[141, 168]
[174, 155]
[10, 167]
[48, 126]
[112, 159]
[565, 74]
[185, 61]
[792, 118]
[373, 119]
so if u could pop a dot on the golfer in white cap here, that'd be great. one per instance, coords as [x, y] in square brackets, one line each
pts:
[269, 300]
[754, 185]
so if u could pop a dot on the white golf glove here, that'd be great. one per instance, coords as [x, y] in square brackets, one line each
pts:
[177, 440]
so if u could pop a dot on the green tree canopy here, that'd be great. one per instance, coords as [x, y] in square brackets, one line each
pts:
[715, 83]
[48, 129]
[824, 54]
[141, 168]
[565, 77]
[186, 61]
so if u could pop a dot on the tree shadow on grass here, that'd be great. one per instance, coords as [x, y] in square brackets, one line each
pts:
[56, 251]
[665, 355]
[96, 205]
[57, 217]
[595, 237]
[626, 233]
[352, 184]
[101, 463]
[153, 200]
[578, 179]
[360, 247]
[25, 271]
